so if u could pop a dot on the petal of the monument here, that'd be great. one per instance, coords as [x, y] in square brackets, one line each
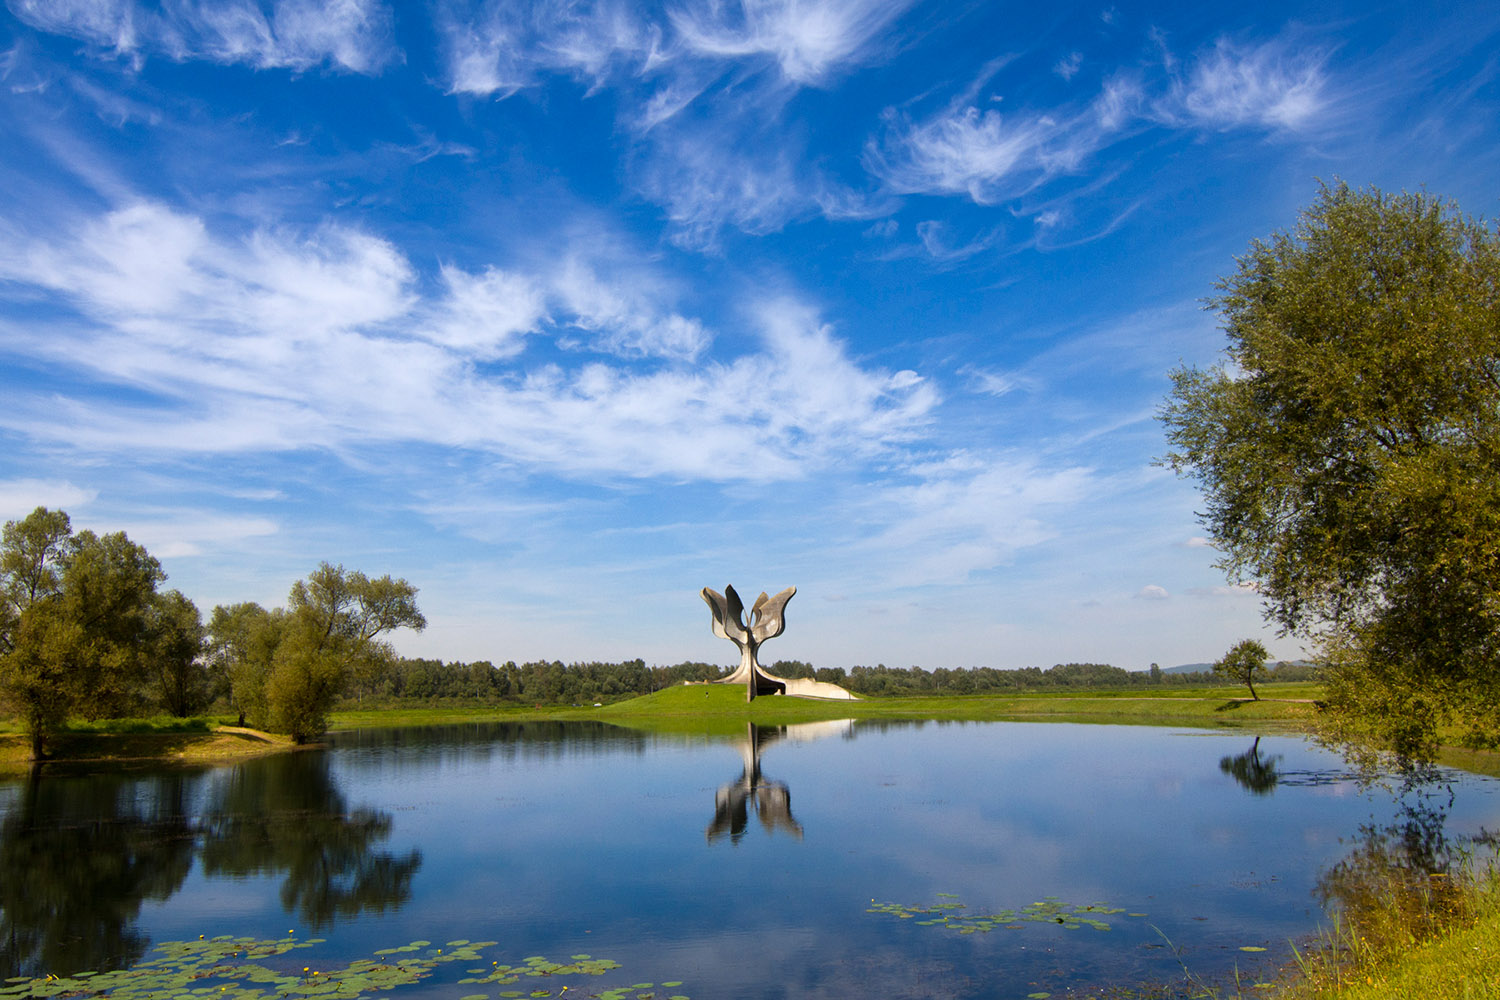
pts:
[771, 621]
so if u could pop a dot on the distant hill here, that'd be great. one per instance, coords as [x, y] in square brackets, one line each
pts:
[1207, 668]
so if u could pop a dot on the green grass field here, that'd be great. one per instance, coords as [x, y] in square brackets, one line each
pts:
[693, 706]
[723, 708]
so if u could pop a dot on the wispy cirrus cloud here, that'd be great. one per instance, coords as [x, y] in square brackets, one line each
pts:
[807, 41]
[673, 53]
[496, 48]
[968, 513]
[707, 179]
[963, 151]
[279, 340]
[1274, 85]
[990, 156]
[355, 35]
[703, 85]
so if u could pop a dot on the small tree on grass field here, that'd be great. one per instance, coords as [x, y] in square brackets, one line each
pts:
[1245, 662]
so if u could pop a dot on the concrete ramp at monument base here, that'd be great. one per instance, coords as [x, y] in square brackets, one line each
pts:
[797, 687]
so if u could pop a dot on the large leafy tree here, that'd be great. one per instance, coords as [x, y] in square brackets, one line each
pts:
[1349, 452]
[330, 630]
[77, 622]
[174, 654]
[241, 643]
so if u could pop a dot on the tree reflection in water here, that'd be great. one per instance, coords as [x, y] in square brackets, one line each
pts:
[1251, 772]
[288, 817]
[79, 856]
[1402, 881]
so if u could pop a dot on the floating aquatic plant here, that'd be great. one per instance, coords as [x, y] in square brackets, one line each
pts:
[953, 916]
[230, 968]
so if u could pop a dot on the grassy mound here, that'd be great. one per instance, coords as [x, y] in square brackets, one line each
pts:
[691, 706]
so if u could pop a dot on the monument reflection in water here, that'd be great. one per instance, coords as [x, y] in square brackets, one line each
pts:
[771, 800]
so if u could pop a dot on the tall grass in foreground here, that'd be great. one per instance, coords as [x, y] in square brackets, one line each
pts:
[1404, 935]
[1397, 934]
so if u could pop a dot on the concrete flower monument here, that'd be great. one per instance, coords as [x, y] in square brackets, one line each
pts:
[767, 621]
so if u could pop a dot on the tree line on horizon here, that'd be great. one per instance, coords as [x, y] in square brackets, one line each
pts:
[416, 681]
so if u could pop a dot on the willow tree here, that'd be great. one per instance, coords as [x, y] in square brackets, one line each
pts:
[76, 622]
[329, 631]
[1348, 449]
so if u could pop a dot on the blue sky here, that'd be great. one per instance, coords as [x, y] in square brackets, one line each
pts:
[563, 311]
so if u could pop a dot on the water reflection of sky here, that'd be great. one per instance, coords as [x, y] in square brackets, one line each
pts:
[558, 842]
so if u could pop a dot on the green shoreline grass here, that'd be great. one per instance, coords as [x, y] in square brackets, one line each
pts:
[722, 709]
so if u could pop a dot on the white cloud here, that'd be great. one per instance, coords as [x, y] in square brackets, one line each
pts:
[1152, 592]
[989, 157]
[966, 514]
[486, 315]
[990, 383]
[705, 183]
[282, 340]
[19, 497]
[808, 41]
[497, 48]
[935, 243]
[297, 34]
[1272, 85]
[1118, 102]
[961, 151]
[622, 312]
[189, 533]
[1245, 588]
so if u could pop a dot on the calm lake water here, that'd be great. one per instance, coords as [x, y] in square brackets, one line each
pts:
[741, 867]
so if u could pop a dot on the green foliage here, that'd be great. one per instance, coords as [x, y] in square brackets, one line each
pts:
[327, 635]
[288, 817]
[1245, 663]
[174, 654]
[80, 621]
[409, 681]
[242, 644]
[1349, 453]
[1416, 917]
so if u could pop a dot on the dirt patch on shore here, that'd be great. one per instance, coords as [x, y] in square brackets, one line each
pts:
[225, 744]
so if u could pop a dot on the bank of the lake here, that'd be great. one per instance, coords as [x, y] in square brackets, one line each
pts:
[693, 707]
[102, 746]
